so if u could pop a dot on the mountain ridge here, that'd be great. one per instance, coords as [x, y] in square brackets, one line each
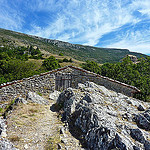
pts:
[77, 51]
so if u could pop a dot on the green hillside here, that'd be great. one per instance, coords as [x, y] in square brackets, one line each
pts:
[80, 52]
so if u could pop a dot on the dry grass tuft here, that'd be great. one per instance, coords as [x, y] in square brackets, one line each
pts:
[14, 138]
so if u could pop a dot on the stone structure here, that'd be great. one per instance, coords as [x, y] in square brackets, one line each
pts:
[60, 79]
[133, 58]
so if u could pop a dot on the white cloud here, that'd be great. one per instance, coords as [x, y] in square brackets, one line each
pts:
[142, 6]
[134, 41]
[78, 21]
[9, 17]
[88, 20]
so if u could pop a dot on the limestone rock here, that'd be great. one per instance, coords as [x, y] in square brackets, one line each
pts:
[35, 98]
[20, 100]
[54, 95]
[137, 135]
[141, 108]
[105, 118]
[4, 143]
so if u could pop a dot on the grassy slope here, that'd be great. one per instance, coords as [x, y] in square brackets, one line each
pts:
[80, 52]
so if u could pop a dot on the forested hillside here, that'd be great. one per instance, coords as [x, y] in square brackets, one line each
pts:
[80, 52]
[135, 74]
[14, 64]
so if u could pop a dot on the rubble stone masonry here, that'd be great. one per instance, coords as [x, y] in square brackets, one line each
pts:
[60, 79]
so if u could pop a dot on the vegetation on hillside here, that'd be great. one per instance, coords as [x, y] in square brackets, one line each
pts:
[14, 64]
[50, 63]
[137, 75]
[80, 52]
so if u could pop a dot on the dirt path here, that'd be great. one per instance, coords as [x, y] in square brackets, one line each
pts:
[35, 127]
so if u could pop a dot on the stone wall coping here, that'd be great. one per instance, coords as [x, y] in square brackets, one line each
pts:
[73, 67]
[109, 79]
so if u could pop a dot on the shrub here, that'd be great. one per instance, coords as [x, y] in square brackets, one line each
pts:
[65, 60]
[51, 63]
[61, 54]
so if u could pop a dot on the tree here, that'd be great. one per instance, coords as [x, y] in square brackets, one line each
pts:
[91, 66]
[51, 63]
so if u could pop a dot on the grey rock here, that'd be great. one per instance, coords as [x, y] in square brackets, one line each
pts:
[62, 131]
[142, 121]
[147, 114]
[137, 135]
[147, 145]
[136, 148]
[59, 146]
[141, 108]
[64, 141]
[4, 143]
[117, 143]
[105, 118]
[54, 95]
[20, 100]
[35, 98]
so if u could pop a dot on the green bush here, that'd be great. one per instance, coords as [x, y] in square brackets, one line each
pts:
[60, 60]
[61, 54]
[51, 63]
[91, 66]
[65, 60]
[137, 75]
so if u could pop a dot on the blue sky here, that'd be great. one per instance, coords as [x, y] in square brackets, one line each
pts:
[101, 23]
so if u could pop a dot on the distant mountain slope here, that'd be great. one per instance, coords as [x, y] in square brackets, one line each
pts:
[80, 52]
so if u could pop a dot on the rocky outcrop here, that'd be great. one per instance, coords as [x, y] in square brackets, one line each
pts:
[54, 95]
[107, 120]
[4, 143]
[35, 98]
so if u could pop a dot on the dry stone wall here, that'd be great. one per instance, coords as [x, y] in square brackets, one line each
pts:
[79, 75]
[60, 79]
[43, 84]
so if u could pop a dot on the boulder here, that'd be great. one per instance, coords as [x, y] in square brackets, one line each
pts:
[54, 95]
[142, 121]
[137, 135]
[35, 98]
[141, 108]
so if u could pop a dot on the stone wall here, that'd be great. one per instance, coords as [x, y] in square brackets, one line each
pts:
[43, 84]
[79, 75]
[60, 79]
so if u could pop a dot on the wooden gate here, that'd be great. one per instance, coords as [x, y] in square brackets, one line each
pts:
[62, 81]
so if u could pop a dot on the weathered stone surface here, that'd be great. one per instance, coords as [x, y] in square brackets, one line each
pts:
[20, 100]
[35, 98]
[54, 95]
[147, 145]
[141, 108]
[4, 143]
[105, 118]
[137, 135]
[142, 121]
